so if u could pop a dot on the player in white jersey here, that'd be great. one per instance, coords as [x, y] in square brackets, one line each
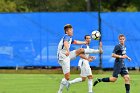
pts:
[85, 67]
[65, 55]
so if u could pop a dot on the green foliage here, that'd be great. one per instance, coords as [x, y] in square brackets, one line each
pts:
[130, 8]
[68, 5]
[120, 5]
[7, 6]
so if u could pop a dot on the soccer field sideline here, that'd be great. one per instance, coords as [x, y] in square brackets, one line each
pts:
[49, 83]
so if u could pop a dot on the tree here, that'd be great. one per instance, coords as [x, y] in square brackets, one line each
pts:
[67, 5]
[7, 6]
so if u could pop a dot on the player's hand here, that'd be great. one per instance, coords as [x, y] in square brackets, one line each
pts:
[86, 42]
[129, 59]
[67, 53]
[100, 50]
[124, 56]
[91, 58]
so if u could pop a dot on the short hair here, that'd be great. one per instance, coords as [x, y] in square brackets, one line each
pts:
[67, 26]
[86, 36]
[121, 35]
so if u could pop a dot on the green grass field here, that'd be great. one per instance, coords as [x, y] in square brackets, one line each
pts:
[49, 83]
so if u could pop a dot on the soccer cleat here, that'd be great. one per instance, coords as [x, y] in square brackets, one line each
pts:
[90, 92]
[127, 92]
[67, 85]
[59, 91]
[96, 81]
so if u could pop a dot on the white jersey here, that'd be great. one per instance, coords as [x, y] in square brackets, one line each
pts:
[81, 61]
[61, 49]
[84, 64]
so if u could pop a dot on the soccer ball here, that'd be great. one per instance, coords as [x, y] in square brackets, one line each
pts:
[96, 35]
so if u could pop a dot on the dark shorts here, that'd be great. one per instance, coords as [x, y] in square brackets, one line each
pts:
[117, 70]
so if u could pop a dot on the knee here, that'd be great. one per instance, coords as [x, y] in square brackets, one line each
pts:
[67, 76]
[90, 77]
[83, 79]
[127, 78]
[113, 79]
[79, 51]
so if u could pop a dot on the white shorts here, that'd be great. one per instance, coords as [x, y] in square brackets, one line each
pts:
[85, 69]
[65, 61]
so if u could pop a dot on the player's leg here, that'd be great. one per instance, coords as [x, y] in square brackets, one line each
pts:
[79, 51]
[80, 79]
[76, 80]
[90, 83]
[65, 64]
[127, 83]
[88, 73]
[126, 77]
[114, 77]
[63, 83]
[87, 51]
[107, 79]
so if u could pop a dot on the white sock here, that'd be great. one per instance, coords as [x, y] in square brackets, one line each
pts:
[90, 84]
[90, 51]
[62, 83]
[75, 80]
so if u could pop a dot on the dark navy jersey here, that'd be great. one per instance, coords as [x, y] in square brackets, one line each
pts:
[119, 50]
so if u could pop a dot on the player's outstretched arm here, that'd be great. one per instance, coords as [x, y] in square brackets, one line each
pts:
[79, 42]
[101, 44]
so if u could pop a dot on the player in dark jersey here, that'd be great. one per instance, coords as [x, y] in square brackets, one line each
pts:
[119, 53]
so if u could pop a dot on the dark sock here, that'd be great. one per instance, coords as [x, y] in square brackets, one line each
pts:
[105, 79]
[127, 87]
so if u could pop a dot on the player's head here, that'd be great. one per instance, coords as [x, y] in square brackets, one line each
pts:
[87, 38]
[68, 30]
[121, 39]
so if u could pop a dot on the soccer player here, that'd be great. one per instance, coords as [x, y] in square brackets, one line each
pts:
[64, 55]
[119, 53]
[85, 67]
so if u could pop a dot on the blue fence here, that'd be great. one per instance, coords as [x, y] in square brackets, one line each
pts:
[31, 39]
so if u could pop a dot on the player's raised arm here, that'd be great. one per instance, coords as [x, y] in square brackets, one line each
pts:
[100, 48]
[79, 42]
